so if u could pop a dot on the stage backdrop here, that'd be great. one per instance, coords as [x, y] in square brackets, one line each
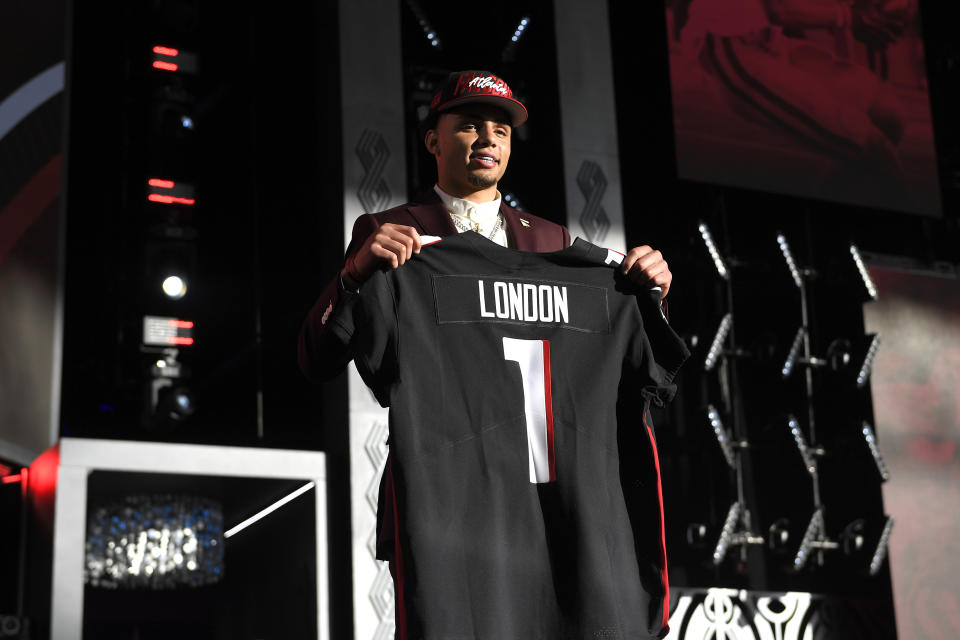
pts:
[796, 97]
[917, 408]
[32, 36]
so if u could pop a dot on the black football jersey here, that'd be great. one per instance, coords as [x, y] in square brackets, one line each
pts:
[505, 374]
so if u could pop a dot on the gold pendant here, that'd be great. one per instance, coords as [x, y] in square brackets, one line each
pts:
[476, 227]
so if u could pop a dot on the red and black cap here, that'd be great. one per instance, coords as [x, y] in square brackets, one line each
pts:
[465, 87]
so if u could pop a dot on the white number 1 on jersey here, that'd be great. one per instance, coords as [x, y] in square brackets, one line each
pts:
[533, 356]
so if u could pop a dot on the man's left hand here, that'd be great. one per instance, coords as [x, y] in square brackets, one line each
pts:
[646, 266]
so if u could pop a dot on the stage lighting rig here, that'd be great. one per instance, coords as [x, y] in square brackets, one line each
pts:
[840, 355]
[868, 285]
[880, 552]
[728, 445]
[807, 453]
[718, 261]
[871, 439]
[424, 22]
[717, 344]
[851, 543]
[795, 272]
[509, 51]
[736, 532]
[867, 366]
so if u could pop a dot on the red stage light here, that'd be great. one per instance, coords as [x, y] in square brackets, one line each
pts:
[166, 51]
[10, 479]
[44, 472]
[156, 197]
[181, 324]
[163, 184]
[180, 340]
[165, 66]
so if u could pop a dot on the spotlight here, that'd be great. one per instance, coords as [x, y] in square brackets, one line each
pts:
[778, 535]
[174, 286]
[175, 403]
[867, 365]
[788, 257]
[852, 539]
[696, 534]
[187, 122]
[716, 347]
[881, 551]
[722, 270]
[183, 404]
[864, 274]
[871, 439]
[806, 452]
[839, 355]
[723, 437]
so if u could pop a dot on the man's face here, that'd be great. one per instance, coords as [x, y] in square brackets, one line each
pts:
[472, 148]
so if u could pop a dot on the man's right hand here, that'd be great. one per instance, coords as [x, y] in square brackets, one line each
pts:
[392, 244]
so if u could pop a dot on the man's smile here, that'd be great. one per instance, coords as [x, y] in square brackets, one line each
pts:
[484, 160]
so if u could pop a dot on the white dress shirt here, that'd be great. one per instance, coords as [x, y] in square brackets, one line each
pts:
[477, 216]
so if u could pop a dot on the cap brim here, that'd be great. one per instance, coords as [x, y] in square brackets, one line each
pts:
[514, 108]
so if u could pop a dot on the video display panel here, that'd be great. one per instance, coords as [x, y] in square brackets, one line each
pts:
[827, 100]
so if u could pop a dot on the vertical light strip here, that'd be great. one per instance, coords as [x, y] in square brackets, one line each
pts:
[591, 163]
[374, 179]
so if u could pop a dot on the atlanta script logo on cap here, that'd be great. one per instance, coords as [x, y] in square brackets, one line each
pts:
[464, 87]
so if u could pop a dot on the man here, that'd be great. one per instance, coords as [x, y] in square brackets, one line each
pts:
[468, 131]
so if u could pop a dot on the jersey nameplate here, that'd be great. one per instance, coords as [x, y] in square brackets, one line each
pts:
[486, 298]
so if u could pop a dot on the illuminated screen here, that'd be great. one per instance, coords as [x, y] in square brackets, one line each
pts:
[805, 97]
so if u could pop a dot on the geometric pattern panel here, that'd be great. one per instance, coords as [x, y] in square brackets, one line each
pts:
[593, 218]
[731, 614]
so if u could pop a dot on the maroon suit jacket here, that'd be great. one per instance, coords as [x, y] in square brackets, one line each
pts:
[321, 355]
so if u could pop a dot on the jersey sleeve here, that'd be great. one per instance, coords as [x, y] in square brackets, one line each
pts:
[656, 352]
[368, 325]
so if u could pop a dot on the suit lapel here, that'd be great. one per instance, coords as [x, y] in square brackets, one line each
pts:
[432, 216]
[520, 234]
[433, 219]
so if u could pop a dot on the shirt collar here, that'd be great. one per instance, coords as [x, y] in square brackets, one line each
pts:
[479, 212]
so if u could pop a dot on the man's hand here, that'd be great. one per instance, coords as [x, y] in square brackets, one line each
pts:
[646, 266]
[392, 244]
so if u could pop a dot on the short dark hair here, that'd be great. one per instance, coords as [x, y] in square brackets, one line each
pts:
[428, 123]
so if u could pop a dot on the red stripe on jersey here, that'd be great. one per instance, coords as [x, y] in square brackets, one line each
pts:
[548, 407]
[401, 604]
[663, 531]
